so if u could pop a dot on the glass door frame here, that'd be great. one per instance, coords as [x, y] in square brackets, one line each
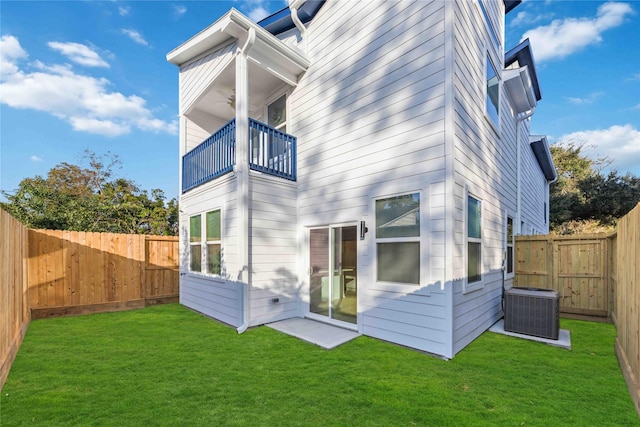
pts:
[331, 248]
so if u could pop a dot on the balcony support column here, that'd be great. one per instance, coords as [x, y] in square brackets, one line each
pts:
[242, 172]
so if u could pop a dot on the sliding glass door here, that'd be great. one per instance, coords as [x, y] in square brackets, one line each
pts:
[333, 290]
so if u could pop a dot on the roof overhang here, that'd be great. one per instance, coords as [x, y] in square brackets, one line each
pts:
[542, 152]
[281, 21]
[523, 56]
[509, 5]
[267, 51]
[518, 83]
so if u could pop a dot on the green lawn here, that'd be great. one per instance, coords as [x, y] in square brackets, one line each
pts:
[166, 365]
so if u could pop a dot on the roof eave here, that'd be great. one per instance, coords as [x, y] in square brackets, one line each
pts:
[509, 5]
[524, 55]
[232, 25]
[543, 155]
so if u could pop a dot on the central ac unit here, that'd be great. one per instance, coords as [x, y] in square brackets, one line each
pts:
[532, 311]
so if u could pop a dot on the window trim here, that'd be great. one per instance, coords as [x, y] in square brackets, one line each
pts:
[507, 244]
[490, 28]
[473, 286]
[494, 124]
[422, 240]
[204, 242]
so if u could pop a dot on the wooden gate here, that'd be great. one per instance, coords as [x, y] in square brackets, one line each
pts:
[575, 266]
[579, 273]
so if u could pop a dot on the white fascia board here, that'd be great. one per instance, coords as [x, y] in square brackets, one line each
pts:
[520, 88]
[235, 25]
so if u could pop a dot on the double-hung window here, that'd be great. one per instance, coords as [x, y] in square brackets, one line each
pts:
[205, 243]
[493, 93]
[509, 246]
[398, 239]
[474, 241]
[195, 243]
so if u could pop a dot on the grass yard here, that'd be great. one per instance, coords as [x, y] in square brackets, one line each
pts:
[166, 365]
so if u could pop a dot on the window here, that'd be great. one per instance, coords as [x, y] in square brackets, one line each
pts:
[214, 246]
[474, 240]
[277, 113]
[493, 93]
[269, 147]
[398, 239]
[509, 245]
[210, 248]
[195, 243]
[487, 21]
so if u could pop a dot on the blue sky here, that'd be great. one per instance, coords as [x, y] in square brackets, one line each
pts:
[78, 75]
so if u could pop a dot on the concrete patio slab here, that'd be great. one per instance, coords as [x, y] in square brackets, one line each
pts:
[563, 341]
[318, 333]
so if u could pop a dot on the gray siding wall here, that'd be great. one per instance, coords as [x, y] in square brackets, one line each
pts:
[369, 117]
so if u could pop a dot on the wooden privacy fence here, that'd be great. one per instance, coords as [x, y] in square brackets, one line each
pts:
[626, 312]
[577, 267]
[73, 272]
[14, 301]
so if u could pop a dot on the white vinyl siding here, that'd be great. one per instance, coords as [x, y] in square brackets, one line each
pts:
[274, 250]
[197, 75]
[216, 296]
[484, 160]
[370, 121]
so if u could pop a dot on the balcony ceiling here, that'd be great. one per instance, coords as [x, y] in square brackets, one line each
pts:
[215, 101]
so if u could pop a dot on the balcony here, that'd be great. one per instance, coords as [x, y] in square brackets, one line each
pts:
[271, 152]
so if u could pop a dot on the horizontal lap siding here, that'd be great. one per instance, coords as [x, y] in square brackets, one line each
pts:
[369, 118]
[273, 247]
[198, 74]
[484, 162]
[217, 297]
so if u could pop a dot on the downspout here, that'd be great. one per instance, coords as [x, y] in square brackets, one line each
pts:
[242, 158]
[294, 5]
[519, 120]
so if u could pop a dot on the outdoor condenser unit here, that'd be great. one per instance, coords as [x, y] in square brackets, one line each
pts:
[532, 311]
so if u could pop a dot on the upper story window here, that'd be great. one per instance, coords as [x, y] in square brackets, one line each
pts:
[493, 93]
[398, 239]
[277, 113]
[490, 27]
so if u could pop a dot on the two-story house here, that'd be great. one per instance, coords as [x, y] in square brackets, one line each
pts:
[365, 164]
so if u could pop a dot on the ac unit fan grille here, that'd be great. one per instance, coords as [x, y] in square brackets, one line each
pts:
[532, 311]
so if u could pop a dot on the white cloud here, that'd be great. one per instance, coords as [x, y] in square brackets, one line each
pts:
[79, 53]
[179, 10]
[135, 36]
[621, 144]
[590, 99]
[256, 9]
[35, 159]
[525, 18]
[85, 102]
[10, 52]
[564, 37]
[124, 10]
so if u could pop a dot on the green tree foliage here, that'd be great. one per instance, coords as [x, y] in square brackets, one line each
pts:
[584, 195]
[73, 197]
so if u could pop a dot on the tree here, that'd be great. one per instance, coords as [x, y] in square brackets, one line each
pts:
[585, 199]
[78, 198]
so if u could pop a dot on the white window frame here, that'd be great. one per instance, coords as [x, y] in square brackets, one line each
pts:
[208, 242]
[204, 243]
[493, 34]
[473, 286]
[507, 244]
[489, 61]
[422, 240]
